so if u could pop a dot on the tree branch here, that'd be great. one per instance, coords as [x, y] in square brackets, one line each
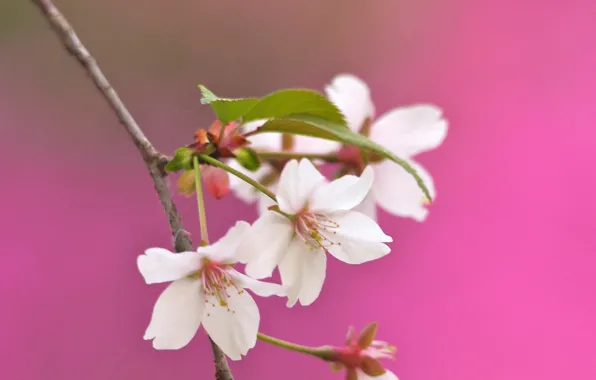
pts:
[153, 159]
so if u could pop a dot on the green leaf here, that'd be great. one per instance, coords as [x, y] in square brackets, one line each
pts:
[309, 125]
[227, 110]
[296, 101]
[182, 160]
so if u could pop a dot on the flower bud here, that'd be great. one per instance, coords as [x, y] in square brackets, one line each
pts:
[248, 158]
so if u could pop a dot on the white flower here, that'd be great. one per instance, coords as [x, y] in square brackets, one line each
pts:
[267, 174]
[319, 220]
[406, 131]
[205, 289]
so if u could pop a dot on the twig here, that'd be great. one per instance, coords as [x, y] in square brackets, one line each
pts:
[153, 159]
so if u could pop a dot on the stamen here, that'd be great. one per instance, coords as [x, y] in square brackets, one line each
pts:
[314, 230]
[217, 282]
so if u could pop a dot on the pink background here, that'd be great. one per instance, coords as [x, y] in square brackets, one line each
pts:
[497, 284]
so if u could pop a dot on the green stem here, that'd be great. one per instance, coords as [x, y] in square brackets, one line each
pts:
[323, 352]
[200, 201]
[293, 155]
[245, 178]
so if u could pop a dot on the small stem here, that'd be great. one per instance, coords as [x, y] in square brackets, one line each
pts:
[290, 155]
[200, 201]
[323, 352]
[245, 178]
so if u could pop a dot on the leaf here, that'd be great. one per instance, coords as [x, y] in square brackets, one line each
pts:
[278, 104]
[182, 160]
[296, 101]
[309, 125]
[227, 110]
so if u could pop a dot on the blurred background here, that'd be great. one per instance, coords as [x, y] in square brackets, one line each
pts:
[497, 284]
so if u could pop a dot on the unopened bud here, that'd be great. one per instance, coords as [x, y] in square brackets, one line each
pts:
[217, 181]
[248, 158]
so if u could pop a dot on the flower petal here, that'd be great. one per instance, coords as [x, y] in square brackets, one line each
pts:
[296, 184]
[407, 131]
[176, 315]
[353, 224]
[233, 328]
[264, 244]
[368, 207]
[160, 265]
[388, 375]
[358, 239]
[397, 192]
[290, 269]
[303, 272]
[343, 193]
[314, 268]
[261, 288]
[352, 96]
[225, 248]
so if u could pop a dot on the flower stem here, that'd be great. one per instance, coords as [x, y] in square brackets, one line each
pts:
[290, 155]
[245, 178]
[200, 201]
[323, 352]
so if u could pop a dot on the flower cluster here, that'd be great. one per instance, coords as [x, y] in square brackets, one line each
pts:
[303, 218]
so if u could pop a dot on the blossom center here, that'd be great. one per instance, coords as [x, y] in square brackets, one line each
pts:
[315, 230]
[217, 281]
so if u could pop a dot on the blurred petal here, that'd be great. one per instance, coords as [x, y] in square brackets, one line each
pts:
[243, 190]
[160, 265]
[233, 327]
[343, 193]
[397, 192]
[352, 96]
[216, 180]
[312, 145]
[407, 131]
[176, 315]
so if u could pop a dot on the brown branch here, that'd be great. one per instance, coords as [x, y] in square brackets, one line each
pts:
[153, 159]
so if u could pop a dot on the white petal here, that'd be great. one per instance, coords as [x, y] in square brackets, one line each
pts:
[160, 265]
[359, 226]
[303, 272]
[352, 96]
[262, 141]
[243, 190]
[368, 207]
[397, 192]
[261, 288]
[296, 184]
[358, 239]
[388, 375]
[407, 131]
[311, 145]
[290, 269]
[224, 250]
[264, 244]
[314, 267]
[176, 315]
[343, 193]
[233, 328]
